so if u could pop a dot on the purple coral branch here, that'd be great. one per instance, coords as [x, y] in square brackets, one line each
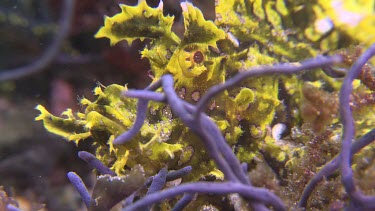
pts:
[333, 165]
[180, 107]
[95, 163]
[221, 153]
[11, 207]
[348, 149]
[211, 129]
[216, 145]
[170, 176]
[80, 187]
[222, 188]
[238, 169]
[185, 200]
[244, 167]
[177, 106]
[356, 195]
[129, 200]
[231, 168]
[286, 68]
[141, 116]
[158, 181]
[173, 175]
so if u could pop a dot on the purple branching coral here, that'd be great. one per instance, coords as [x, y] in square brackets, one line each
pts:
[220, 152]
[208, 114]
[349, 147]
[210, 81]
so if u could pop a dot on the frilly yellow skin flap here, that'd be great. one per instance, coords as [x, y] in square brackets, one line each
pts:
[140, 21]
[197, 29]
[70, 128]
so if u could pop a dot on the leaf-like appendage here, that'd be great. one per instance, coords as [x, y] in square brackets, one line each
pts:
[111, 105]
[244, 98]
[197, 29]
[69, 127]
[138, 22]
[159, 55]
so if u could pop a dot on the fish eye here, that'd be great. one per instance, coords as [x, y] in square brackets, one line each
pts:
[198, 57]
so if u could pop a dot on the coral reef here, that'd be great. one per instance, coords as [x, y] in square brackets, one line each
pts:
[230, 97]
